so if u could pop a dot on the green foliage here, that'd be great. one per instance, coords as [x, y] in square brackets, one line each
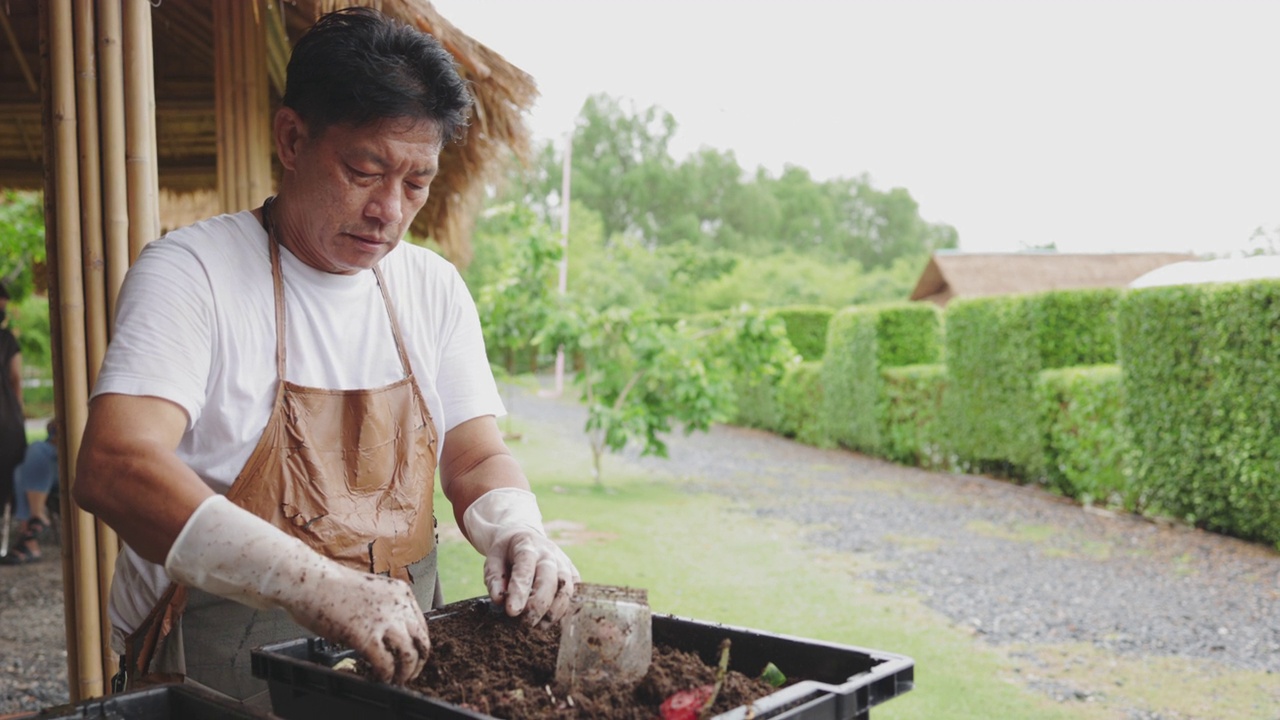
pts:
[30, 325]
[806, 328]
[990, 409]
[22, 246]
[908, 334]
[1077, 327]
[516, 306]
[799, 396]
[640, 376]
[1202, 387]
[861, 342]
[1085, 441]
[911, 411]
[778, 280]
[850, 381]
[750, 349]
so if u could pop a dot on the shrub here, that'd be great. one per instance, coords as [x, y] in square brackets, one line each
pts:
[1203, 392]
[850, 380]
[806, 328]
[908, 334]
[1076, 327]
[990, 409]
[798, 398]
[911, 409]
[1084, 436]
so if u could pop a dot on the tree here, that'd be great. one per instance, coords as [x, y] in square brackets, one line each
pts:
[22, 246]
[639, 376]
[519, 302]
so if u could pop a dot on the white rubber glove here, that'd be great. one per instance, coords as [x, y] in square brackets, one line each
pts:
[524, 570]
[228, 551]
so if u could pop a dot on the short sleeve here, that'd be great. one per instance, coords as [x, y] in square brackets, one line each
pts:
[162, 342]
[465, 381]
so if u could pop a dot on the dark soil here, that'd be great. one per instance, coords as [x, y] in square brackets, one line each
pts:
[492, 664]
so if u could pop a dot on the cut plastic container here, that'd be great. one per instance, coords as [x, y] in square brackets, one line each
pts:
[161, 702]
[841, 682]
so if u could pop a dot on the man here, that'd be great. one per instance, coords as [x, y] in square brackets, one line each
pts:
[33, 480]
[304, 362]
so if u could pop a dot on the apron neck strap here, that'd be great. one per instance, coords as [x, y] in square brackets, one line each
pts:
[277, 279]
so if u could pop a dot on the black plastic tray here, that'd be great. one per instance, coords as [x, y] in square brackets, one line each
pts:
[841, 682]
[161, 702]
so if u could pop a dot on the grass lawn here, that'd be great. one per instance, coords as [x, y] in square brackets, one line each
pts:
[700, 557]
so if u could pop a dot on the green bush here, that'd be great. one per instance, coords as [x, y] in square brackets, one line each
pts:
[847, 415]
[798, 398]
[1084, 437]
[911, 409]
[1202, 385]
[908, 334]
[806, 328]
[1077, 327]
[990, 409]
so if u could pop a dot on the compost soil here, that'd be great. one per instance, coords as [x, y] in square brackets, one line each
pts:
[489, 663]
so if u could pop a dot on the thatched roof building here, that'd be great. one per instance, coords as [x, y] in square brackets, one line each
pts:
[187, 101]
[952, 274]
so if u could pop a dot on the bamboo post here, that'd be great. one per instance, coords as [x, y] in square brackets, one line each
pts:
[140, 119]
[70, 310]
[114, 192]
[94, 275]
[52, 229]
[222, 105]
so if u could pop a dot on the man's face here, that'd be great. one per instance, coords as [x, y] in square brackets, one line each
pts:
[355, 190]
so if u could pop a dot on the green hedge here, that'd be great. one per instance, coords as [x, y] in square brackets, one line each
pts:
[798, 399]
[911, 409]
[1085, 444]
[908, 334]
[1202, 383]
[847, 414]
[1077, 327]
[990, 410]
[806, 328]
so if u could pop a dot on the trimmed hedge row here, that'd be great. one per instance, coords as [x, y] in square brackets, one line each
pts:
[798, 398]
[806, 328]
[1085, 442]
[1076, 327]
[911, 412]
[847, 414]
[1202, 388]
[990, 411]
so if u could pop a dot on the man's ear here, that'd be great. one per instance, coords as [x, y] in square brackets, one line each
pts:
[290, 132]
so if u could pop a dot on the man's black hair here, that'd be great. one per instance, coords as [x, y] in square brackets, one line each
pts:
[359, 66]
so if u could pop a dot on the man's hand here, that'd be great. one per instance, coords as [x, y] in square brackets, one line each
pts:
[230, 552]
[524, 570]
[376, 616]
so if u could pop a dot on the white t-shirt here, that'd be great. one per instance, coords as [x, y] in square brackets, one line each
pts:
[195, 324]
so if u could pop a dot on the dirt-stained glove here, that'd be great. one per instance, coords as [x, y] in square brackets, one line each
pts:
[524, 570]
[228, 551]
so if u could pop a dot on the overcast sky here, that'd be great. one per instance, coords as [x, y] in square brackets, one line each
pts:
[1099, 126]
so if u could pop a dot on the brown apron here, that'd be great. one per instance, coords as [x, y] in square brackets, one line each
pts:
[350, 473]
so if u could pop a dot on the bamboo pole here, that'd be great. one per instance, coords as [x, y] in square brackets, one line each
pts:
[94, 274]
[259, 184]
[222, 105]
[115, 195]
[140, 118]
[52, 230]
[240, 101]
[72, 329]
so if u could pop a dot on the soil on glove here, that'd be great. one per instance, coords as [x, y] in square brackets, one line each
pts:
[492, 664]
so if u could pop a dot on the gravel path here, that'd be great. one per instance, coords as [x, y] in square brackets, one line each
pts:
[1015, 564]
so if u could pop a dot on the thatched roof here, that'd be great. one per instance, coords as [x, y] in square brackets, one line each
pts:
[952, 274]
[187, 125]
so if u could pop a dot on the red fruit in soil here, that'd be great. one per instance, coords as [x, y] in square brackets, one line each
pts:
[685, 704]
